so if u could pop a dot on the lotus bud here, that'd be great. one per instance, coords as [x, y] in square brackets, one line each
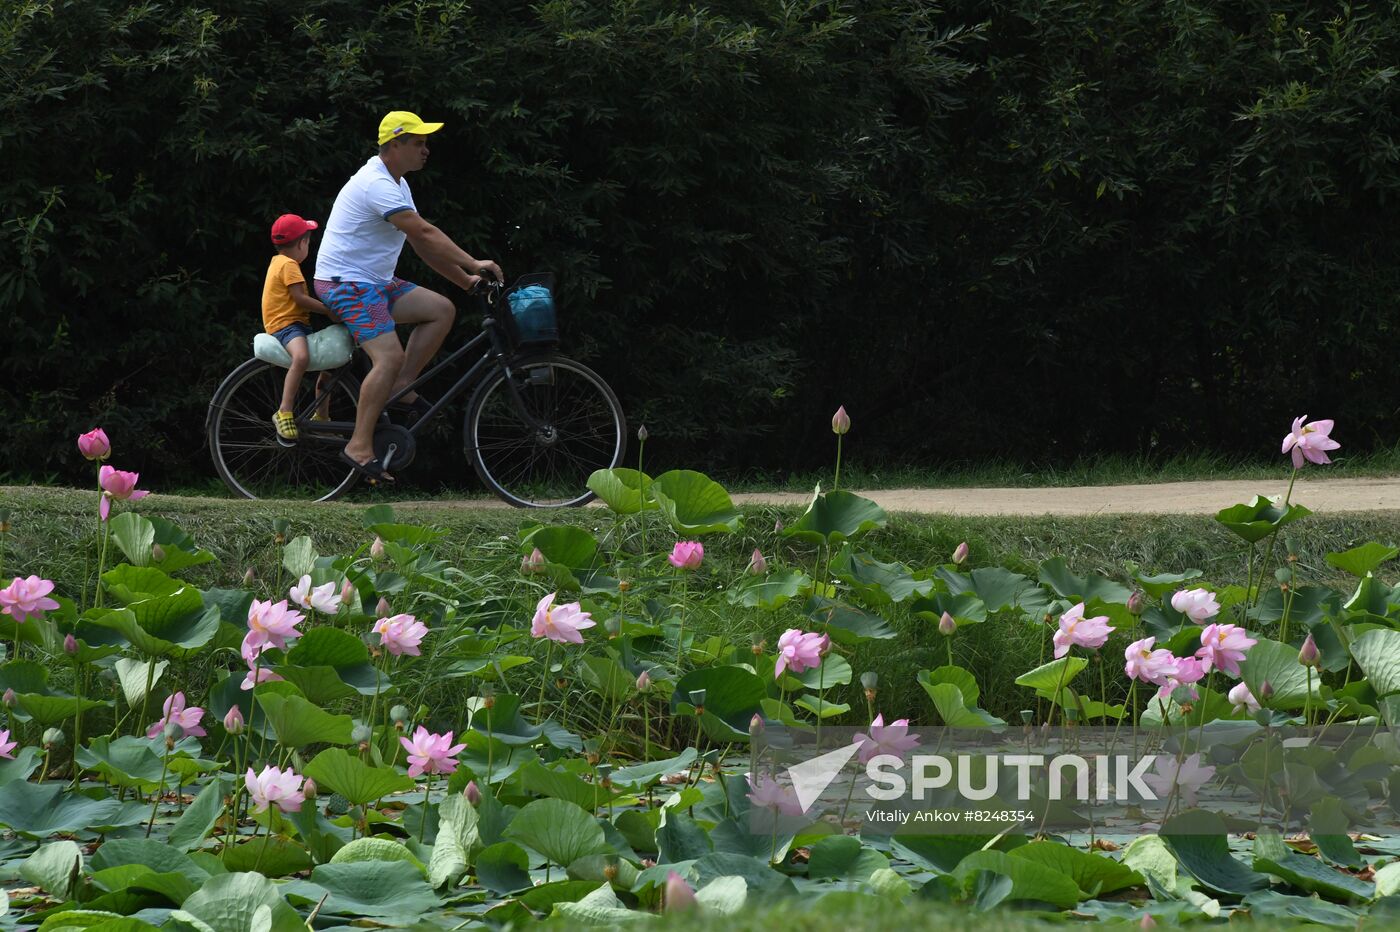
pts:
[157, 553]
[1309, 655]
[1147, 922]
[756, 725]
[1137, 602]
[70, 645]
[757, 564]
[399, 715]
[249, 576]
[642, 434]
[233, 721]
[613, 626]
[533, 563]
[870, 681]
[778, 526]
[1027, 716]
[280, 527]
[678, 897]
[947, 625]
[643, 681]
[361, 734]
[308, 788]
[697, 699]
[960, 553]
[94, 445]
[347, 592]
[605, 774]
[1266, 691]
[382, 609]
[840, 421]
[8, 699]
[623, 585]
[376, 549]
[53, 738]
[472, 792]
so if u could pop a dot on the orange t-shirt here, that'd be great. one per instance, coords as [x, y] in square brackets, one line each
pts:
[278, 308]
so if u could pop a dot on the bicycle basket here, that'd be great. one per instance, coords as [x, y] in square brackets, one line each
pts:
[532, 321]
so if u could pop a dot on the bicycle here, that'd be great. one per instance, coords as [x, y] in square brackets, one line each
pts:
[537, 426]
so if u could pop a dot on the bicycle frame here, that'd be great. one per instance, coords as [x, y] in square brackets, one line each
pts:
[495, 355]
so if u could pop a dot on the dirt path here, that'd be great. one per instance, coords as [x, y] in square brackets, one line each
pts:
[1184, 498]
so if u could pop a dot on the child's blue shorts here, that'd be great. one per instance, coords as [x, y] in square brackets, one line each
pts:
[290, 332]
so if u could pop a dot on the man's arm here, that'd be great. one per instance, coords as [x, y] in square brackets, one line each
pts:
[444, 256]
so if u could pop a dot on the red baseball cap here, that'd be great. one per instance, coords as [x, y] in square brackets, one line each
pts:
[289, 228]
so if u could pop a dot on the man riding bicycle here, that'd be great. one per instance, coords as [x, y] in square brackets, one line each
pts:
[373, 215]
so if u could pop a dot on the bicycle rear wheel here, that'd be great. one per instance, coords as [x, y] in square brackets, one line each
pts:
[247, 453]
[581, 430]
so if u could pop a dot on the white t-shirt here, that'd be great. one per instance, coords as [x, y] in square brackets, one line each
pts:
[360, 244]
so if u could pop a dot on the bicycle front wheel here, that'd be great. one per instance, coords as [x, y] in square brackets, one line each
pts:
[578, 428]
[247, 453]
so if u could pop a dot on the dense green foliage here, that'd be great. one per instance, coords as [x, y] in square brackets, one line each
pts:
[1068, 224]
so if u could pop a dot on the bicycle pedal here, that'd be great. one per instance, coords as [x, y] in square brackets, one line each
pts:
[283, 441]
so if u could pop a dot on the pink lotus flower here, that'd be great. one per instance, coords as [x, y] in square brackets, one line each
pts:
[27, 598]
[270, 625]
[1189, 671]
[117, 484]
[800, 650]
[401, 634]
[893, 738]
[562, 623]
[321, 599]
[770, 794]
[840, 421]
[257, 674]
[176, 714]
[1188, 778]
[1309, 442]
[1196, 604]
[233, 721]
[7, 747]
[1223, 647]
[430, 753]
[1243, 699]
[275, 787]
[1076, 629]
[1148, 665]
[94, 445]
[687, 555]
[534, 562]
[677, 896]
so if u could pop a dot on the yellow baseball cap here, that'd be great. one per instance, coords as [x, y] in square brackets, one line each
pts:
[399, 122]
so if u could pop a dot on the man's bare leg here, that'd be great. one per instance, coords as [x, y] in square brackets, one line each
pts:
[386, 356]
[432, 314]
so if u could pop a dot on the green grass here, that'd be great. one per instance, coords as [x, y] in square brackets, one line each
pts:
[53, 534]
[992, 473]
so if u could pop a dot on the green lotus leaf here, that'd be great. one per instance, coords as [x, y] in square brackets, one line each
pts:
[1054, 674]
[559, 830]
[1377, 652]
[694, 504]
[1055, 574]
[564, 544]
[240, 902]
[1199, 841]
[503, 722]
[134, 536]
[846, 624]
[622, 490]
[298, 722]
[1278, 663]
[56, 868]
[1029, 881]
[966, 608]
[1094, 874]
[457, 839]
[771, 591]
[834, 670]
[843, 857]
[503, 868]
[40, 810]
[360, 783]
[269, 855]
[876, 582]
[158, 633]
[832, 518]
[732, 696]
[1259, 518]
[640, 776]
[377, 849]
[962, 679]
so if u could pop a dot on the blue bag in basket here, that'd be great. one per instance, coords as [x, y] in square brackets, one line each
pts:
[533, 310]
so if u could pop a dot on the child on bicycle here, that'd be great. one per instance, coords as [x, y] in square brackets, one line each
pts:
[285, 311]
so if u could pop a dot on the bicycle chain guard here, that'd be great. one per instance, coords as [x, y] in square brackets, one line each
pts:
[394, 446]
